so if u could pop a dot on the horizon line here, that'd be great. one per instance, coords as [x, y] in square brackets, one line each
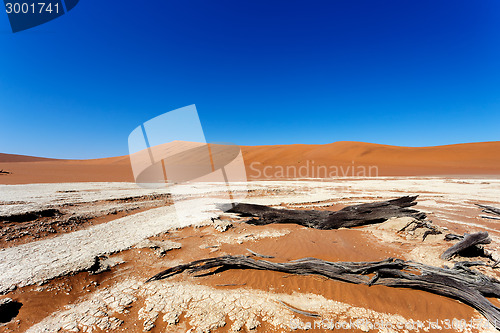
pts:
[270, 145]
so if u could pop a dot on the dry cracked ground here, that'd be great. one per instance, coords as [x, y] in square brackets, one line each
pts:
[75, 258]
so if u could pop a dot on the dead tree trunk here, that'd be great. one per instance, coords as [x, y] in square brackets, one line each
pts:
[352, 216]
[469, 243]
[469, 286]
[489, 210]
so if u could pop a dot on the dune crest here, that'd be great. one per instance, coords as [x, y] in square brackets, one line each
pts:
[459, 159]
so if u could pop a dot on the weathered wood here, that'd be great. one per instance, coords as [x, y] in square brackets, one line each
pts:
[259, 255]
[468, 242]
[460, 282]
[416, 224]
[450, 237]
[351, 216]
[489, 209]
[302, 312]
[489, 217]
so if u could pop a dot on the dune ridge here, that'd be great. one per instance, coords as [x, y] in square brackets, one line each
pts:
[472, 159]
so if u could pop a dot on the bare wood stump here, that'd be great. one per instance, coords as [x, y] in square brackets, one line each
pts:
[468, 242]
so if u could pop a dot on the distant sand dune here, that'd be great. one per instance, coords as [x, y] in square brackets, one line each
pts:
[5, 158]
[481, 158]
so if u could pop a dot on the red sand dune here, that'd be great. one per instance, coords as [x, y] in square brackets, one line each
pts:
[342, 158]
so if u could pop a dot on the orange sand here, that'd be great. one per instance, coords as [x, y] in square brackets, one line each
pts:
[460, 159]
[334, 245]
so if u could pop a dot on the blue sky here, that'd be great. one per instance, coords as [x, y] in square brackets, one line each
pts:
[411, 73]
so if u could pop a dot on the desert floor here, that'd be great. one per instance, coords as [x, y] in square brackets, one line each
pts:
[76, 256]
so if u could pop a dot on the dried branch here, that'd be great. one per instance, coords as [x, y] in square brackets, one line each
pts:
[352, 216]
[489, 209]
[460, 282]
[468, 242]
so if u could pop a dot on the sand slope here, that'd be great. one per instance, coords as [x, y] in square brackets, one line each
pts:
[460, 159]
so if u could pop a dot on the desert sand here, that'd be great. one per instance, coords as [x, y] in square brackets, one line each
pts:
[473, 159]
[91, 277]
[78, 240]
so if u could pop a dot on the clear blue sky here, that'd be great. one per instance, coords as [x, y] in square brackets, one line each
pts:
[412, 73]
